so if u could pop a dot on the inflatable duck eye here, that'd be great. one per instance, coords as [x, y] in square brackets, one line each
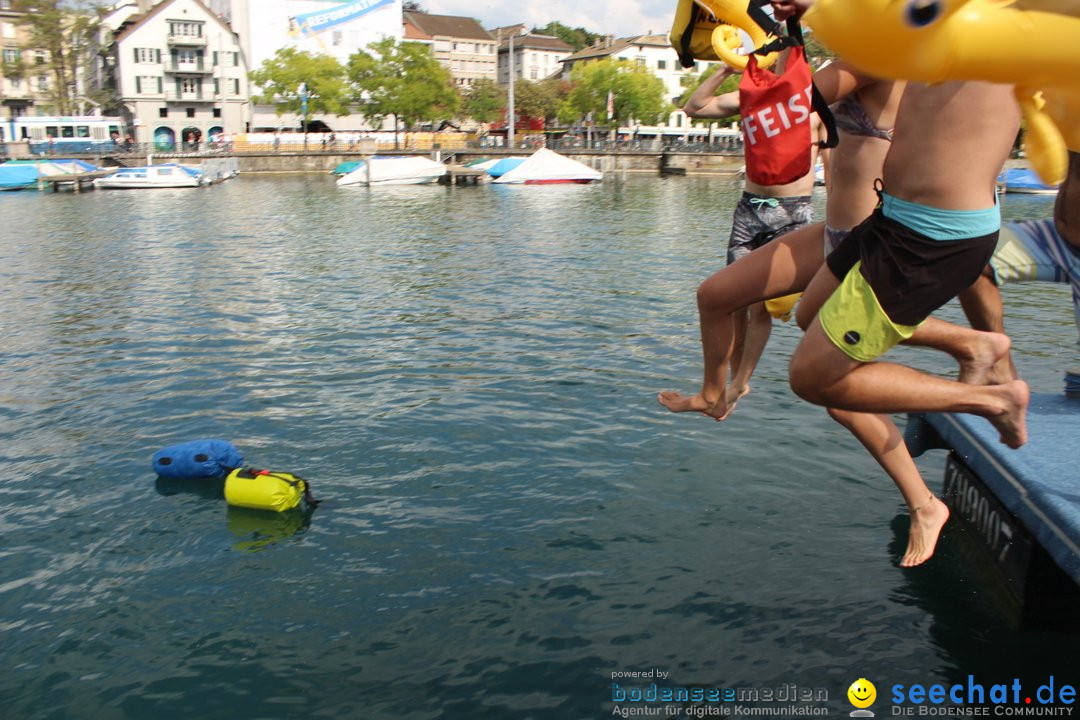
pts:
[920, 13]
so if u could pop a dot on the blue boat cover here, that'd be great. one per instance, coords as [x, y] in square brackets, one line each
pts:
[1039, 483]
[504, 166]
[17, 176]
[346, 167]
[1023, 178]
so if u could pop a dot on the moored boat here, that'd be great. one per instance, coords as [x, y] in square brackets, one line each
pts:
[152, 176]
[546, 167]
[394, 170]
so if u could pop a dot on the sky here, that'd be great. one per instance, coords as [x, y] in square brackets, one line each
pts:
[615, 17]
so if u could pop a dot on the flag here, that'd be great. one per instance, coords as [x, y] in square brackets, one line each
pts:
[610, 104]
[303, 99]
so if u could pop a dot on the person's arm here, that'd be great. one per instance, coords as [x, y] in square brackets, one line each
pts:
[783, 9]
[836, 79]
[1067, 207]
[705, 103]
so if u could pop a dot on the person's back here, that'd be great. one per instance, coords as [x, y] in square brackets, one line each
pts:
[858, 160]
[950, 143]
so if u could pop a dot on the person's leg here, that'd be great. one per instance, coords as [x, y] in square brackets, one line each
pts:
[983, 356]
[883, 440]
[758, 329]
[741, 319]
[984, 310]
[823, 374]
[779, 268]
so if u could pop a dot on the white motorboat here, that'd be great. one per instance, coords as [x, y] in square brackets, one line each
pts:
[394, 170]
[152, 176]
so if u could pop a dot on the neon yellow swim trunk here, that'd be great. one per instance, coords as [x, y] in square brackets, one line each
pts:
[853, 319]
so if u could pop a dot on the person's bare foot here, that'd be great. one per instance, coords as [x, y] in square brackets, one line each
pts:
[677, 402]
[927, 520]
[988, 363]
[1011, 423]
[732, 396]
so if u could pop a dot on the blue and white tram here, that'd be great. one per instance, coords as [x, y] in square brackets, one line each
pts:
[64, 135]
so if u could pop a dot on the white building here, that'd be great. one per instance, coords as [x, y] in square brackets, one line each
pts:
[650, 51]
[180, 73]
[334, 27]
[536, 57]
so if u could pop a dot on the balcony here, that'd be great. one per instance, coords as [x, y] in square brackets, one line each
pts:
[189, 97]
[197, 40]
[180, 68]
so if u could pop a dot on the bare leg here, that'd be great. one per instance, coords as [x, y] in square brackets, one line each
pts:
[822, 374]
[980, 354]
[758, 330]
[982, 305]
[882, 439]
[779, 268]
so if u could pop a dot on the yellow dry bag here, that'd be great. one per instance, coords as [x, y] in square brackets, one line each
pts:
[266, 490]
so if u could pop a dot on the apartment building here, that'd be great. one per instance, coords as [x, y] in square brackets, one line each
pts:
[24, 81]
[653, 52]
[536, 57]
[180, 75]
[465, 48]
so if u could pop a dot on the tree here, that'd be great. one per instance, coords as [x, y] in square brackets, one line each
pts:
[636, 94]
[540, 99]
[404, 80]
[282, 76]
[412, 6]
[67, 32]
[576, 38]
[484, 101]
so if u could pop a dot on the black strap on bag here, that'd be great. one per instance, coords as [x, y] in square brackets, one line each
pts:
[309, 499]
[793, 38]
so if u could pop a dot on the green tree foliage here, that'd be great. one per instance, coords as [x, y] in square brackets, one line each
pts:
[637, 94]
[281, 76]
[539, 99]
[412, 6]
[484, 101]
[576, 38]
[67, 32]
[404, 80]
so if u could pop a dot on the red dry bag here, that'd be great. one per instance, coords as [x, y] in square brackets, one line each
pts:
[775, 113]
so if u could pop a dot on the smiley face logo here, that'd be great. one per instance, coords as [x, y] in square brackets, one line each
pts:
[862, 693]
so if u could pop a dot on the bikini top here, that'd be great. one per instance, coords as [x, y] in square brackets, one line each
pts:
[851, 117]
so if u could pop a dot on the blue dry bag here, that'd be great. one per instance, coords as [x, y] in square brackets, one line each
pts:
[198, 458]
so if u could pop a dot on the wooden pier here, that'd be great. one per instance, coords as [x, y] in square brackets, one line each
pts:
[76, 180]
[461, 175]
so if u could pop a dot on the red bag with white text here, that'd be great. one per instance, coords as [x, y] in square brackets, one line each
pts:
[775, 112]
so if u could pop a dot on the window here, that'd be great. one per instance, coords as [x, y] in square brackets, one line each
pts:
[661, 64]
[236, 59]
[12, 55]
[67, 131]
[43, 82]
[189, 85]
[191, 112]
[147, 55]
[185, 29]
[186, 56]
[235, 86]
[217, 112]
[39, 57]
[82, 131]
[8, 30]
[163, 112]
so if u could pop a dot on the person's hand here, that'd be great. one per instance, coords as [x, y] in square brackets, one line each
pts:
[783, 9]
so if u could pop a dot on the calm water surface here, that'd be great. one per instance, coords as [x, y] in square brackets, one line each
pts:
[468, 378]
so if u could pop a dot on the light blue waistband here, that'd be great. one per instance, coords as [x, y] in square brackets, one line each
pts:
[938, 224]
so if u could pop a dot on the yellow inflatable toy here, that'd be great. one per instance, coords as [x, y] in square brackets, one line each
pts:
[709, 30]
[1030, 44]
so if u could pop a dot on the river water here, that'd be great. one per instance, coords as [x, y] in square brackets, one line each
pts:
[509, 520]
